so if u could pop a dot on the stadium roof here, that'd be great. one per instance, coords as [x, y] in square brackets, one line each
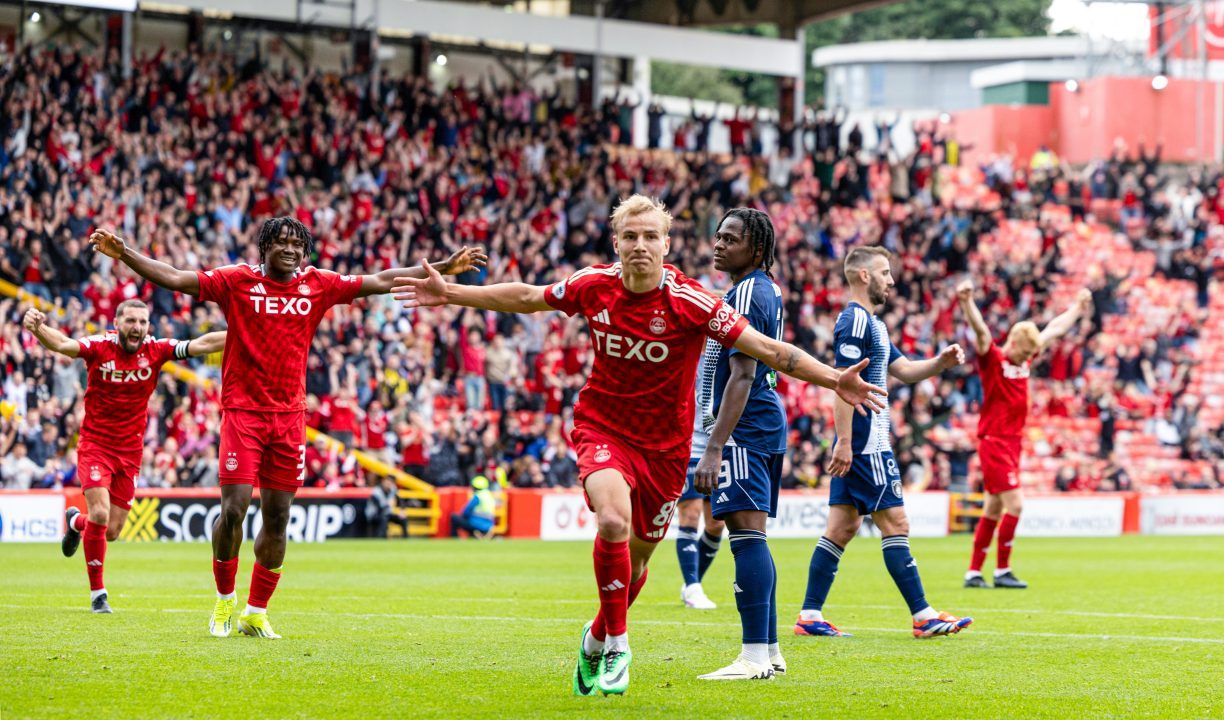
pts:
[784, 13]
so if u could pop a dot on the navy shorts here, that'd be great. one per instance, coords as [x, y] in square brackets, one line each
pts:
[689, 493]
[747, 480]
[873, 484]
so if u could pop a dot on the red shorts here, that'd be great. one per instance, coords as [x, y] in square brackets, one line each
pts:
[1000, 458]
[100, 466]
[655, 480]
[267, 450]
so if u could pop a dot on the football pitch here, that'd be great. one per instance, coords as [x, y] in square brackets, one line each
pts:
[1125, 627]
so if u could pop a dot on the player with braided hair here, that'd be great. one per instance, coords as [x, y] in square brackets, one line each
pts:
[272, 310]
[740, 439]
[746, 244]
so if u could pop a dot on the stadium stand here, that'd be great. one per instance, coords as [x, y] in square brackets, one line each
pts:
[192, 153]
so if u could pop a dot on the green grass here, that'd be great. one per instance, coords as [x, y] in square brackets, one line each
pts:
[1123, 627]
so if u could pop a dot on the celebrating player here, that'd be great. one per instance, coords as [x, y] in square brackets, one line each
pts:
[123, 370]
[866, 480]
[741, 466]
[272, 310]
[1005, 404]
[648, 325]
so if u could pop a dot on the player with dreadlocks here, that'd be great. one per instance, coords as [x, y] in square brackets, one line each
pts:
[740, 438]
[272, 310]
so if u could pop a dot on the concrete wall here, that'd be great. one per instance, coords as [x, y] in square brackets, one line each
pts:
[1084, 126]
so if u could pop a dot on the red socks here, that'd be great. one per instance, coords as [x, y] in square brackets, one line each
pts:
[78, 522]
[599, 630]
[981, 542]
[263, 584]
[94, 540]
[612, 576]
[1007, 532]
[224, 572]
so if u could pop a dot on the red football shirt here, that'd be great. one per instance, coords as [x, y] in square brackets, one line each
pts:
[119, 386]
[1005, 390]
[271, 326]
[646, 348]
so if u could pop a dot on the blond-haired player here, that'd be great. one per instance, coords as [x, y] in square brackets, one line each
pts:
[1005, 403]
[634, 417]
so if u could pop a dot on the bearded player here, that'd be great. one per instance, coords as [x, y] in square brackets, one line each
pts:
[1005, 403]
[866, 479]
[123, 368]
[633, 419]
[272, 310]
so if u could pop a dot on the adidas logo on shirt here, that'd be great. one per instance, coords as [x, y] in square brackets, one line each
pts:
[603, 317]
[259, 289]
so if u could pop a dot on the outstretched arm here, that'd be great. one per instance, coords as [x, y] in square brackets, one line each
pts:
[206, 344]
[964, 294]
[156, 272]
[912, 371]
[1063, 324]
[432, 291]
[465, 259]
[787, 358]
[49, 337]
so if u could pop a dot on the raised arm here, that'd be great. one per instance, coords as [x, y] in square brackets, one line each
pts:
[1063, 324]
[981, 333]
[49, 337]
[787, 358]
[467, 258]
[432, 291]
[912, 371]
[206, 344]
[156, 272]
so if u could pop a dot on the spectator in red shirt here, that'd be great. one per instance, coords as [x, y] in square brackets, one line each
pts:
[473, 357]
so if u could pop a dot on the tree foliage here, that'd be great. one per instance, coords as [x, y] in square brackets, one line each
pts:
[932, 19]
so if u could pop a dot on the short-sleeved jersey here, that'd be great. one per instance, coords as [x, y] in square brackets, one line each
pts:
[857, 335]
[762, 426]
[271, 326]
[119, 385]
[646, 348]
[1005, 390]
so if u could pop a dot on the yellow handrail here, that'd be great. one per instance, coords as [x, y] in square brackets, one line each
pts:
[407, 482]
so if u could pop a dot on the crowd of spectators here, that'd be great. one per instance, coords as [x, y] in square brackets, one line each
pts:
[190, 154]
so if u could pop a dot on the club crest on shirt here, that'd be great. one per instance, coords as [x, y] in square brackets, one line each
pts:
[143, 362]
[658, 326]
[304, 289]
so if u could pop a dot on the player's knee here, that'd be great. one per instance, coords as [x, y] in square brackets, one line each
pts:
[842, 535]
[895, 526]
[715, 528]
[613, 524]
[99, 515]
[1014, 508]
[232, 515]
[689, 513]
